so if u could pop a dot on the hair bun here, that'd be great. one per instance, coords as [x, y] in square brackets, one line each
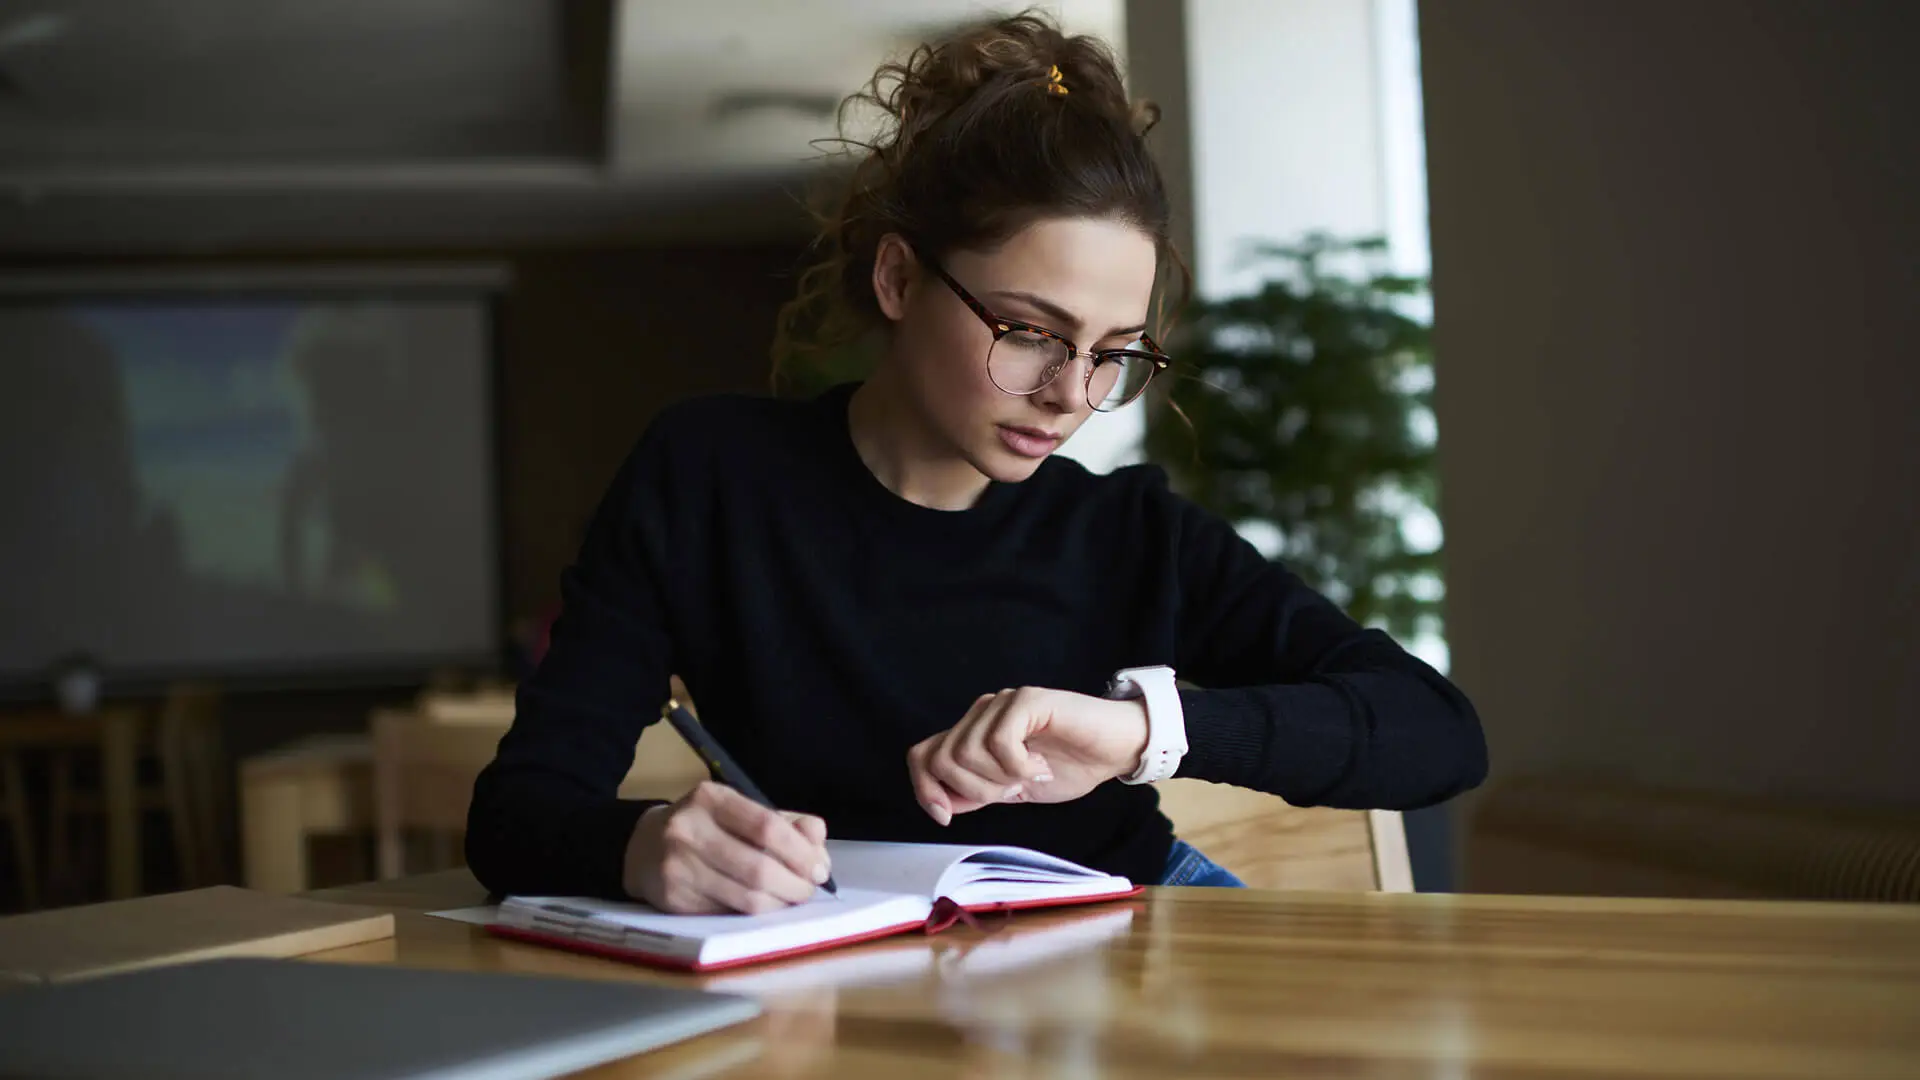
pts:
[974, 66]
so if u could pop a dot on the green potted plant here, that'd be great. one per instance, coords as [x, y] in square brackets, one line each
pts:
[1308, 423]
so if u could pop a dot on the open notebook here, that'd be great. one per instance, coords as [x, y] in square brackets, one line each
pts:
[884, 889]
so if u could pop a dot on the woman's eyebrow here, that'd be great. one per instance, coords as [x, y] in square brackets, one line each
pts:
[1054, 311]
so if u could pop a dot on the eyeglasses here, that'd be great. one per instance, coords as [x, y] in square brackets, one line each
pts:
[1025, 358]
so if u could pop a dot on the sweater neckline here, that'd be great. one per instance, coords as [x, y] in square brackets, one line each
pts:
[834, 402]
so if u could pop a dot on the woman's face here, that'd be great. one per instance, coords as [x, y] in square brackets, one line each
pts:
[1088, 280]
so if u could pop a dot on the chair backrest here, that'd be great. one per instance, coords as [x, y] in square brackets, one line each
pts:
[424, 768]
[1271, 844]
[425, 763]
[199, 780]
[487, 706]
[664, 766]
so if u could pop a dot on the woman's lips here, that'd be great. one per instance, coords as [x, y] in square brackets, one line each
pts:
[1028, 442]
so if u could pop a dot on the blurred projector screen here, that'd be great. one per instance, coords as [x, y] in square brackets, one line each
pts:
[242, 484]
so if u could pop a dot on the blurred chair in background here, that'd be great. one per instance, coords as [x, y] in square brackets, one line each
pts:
[427, 759]
[178, 769]
[109, 767]
[424, 767]
[14, 807]
[319, 787]
[404, 785]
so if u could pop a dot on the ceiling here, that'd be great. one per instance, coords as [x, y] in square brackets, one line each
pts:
[215, 125]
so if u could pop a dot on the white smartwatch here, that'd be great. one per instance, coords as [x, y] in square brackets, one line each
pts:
[1166, 720]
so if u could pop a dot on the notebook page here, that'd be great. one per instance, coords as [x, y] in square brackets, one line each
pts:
[856, 912]
[984, 874]
[1014, 864]
[932, 869]
[896, 868]
[991, 891]
[714, 938]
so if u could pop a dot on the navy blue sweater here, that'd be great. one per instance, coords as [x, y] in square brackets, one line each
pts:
[824, 625]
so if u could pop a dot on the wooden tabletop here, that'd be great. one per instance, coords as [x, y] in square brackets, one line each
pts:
[1227, 982]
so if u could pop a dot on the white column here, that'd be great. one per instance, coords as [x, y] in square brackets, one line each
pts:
[1153, 46]
[1286, 129]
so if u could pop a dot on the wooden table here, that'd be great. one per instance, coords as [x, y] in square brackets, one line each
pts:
[1222, 982]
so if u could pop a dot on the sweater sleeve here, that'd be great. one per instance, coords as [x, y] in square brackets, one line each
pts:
[545, 817]
[1300, 701]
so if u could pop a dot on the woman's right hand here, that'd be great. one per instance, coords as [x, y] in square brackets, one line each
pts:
[715, 850]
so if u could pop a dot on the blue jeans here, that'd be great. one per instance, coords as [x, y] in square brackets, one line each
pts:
[1186, 866]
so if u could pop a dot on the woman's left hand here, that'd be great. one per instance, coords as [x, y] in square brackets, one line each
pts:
[1027, 745]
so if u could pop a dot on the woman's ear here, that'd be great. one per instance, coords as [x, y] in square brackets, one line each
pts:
[894, 270]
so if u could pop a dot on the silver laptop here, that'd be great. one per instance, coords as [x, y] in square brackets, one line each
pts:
[296, 1019]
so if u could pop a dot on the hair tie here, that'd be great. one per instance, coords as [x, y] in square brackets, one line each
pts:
[1054, 83]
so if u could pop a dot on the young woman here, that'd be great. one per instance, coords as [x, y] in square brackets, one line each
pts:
[904, 617]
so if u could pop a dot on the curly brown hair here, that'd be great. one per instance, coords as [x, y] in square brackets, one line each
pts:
[981, 132]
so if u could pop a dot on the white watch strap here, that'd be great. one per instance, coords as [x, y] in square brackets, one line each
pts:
[1166, 720]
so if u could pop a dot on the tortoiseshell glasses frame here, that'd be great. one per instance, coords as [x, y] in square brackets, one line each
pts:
[1036, 355]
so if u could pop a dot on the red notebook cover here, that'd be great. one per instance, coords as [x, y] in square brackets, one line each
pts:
[935, 923]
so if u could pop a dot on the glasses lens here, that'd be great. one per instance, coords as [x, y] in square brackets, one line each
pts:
[1118, 378]
[1022, 361]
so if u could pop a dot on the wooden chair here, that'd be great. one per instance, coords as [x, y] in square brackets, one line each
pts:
[13, 806]
[193, 784]
[319, 786]
[423, 774]
[425, 762]
[189, 786]
[1270, 844]
[191, 719]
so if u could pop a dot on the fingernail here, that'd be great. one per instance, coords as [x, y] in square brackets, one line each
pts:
[1012, 792]
[1043, 778]
[820, 874]
[943, 815]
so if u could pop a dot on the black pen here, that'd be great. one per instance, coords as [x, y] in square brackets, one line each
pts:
[720, 765]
